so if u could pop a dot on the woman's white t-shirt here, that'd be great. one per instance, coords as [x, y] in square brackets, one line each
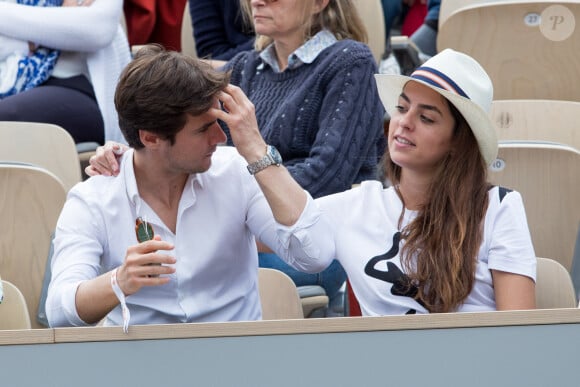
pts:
[360, 228]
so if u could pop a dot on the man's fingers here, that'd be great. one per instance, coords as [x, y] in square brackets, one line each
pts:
[218, 114]
[227, 102]
[90, 171]
[153, 270]
[155, 258]
[153, 245]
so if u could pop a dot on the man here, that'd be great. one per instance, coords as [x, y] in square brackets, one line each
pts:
[192, 203]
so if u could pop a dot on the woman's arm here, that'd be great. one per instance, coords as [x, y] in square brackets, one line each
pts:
[84, 29]
[513, 291]
[511, 256]
[106, 159]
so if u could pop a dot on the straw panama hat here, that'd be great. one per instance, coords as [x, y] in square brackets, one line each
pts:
[464, 83]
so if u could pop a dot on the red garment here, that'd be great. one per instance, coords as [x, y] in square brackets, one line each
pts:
[154, 21]
[414, 18]
[353, 305]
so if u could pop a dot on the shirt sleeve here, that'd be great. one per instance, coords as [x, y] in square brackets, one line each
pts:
[78, 247]
[10, 46]
[510, 247]
[84, 29]
[294, 244]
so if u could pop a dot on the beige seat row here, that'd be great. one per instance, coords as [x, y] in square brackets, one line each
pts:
[529, 48]
[280, 300]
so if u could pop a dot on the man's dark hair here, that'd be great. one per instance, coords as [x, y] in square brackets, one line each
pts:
[158, 88]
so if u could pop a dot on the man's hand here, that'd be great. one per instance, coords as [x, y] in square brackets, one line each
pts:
[239, 114]
[144, 264]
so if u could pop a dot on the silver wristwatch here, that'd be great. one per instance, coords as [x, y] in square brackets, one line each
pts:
[272, 157]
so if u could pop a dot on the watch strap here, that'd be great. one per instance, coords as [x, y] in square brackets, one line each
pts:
[272, 157]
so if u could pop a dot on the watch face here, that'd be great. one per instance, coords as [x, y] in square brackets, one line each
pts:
[274, 154]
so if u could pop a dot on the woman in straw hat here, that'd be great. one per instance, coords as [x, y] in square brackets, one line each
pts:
[441, 238]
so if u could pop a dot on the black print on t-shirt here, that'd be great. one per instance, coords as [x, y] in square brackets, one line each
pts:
[393, 274]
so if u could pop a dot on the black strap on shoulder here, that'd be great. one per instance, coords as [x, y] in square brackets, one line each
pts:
[502, 192]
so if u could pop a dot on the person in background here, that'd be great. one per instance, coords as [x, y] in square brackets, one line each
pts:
[425, 37]
[22, 65]
[391, 12]
[171, 240]
[440, 238]
[154, 21]
[219, 30]
[78, 95]
[310, 77]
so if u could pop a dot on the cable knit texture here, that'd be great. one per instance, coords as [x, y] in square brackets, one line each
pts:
[325, 118]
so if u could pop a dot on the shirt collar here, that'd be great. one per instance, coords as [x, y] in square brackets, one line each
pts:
[304, 54]
[127, 172]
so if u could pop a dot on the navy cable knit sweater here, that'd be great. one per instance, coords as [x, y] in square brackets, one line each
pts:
[325, 118]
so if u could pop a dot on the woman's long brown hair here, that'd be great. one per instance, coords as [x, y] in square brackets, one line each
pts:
[442, 242]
